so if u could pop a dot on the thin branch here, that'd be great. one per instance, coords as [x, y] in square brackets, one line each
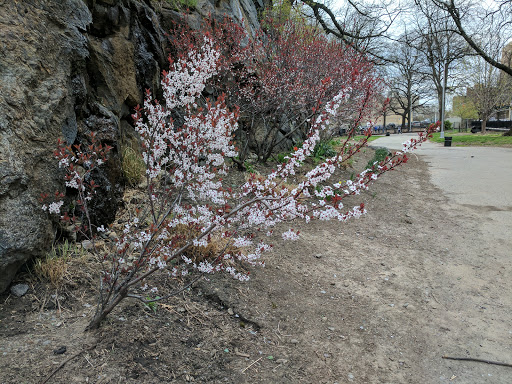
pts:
[61, 365]
[478, 360]
[174, 293]
[455, 14]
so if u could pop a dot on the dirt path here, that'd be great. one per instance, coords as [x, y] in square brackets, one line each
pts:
[376, 300]
[395, 291]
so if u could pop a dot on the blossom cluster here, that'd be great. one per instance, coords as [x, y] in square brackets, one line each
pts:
[78, 162]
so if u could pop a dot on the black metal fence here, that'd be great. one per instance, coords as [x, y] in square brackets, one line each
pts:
[492, 124]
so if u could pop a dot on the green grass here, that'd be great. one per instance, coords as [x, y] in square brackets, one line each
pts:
[371, 138]
[178, 4]
[380, 154]
[475, 139]
[133, 165]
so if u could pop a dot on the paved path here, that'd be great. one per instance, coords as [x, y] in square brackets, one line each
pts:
[470, 175]
[475, 177]
[473, 279]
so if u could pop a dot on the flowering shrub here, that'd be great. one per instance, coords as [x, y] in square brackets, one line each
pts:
[188, 207]
[278, 79]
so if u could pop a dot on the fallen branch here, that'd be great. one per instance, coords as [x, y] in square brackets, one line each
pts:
[241, 354]
[66, 361]
[478, 360]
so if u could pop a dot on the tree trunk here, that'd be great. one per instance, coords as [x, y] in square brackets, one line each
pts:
[484, 124]
[104, 309]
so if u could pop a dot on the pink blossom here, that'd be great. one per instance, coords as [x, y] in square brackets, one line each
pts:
[53, 207]
[290, 235]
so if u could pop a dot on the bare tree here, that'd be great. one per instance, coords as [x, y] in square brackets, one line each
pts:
[443, 48]
[490, 89]
[406, 80]
[363, 25]
[474, 20]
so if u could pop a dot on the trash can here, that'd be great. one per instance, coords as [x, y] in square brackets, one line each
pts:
[447, 141]
[388, 134]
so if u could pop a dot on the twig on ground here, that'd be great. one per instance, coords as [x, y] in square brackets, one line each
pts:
[8, 297]
[241, 354]
[89, 348]
[59, 310]
[189, 312]
[92, 366]
[434, 296]
[250, 365]
[477, 360]
[42, 305]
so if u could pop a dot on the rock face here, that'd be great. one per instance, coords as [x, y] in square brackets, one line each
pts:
[69, 67]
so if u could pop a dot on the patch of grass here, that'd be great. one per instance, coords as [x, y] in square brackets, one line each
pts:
[177, 4]
[323, 150]
[54, 265]
[371, 138]
[282, 157]
[476, 139]
[380, 154]
[133, 165]
[249, 167]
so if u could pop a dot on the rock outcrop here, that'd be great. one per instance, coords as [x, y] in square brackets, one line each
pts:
[69, 67]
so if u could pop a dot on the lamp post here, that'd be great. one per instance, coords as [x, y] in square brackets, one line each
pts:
[442, 111]
[409, 125]
[443, 97]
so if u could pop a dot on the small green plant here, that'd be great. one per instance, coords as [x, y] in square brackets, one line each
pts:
[152, 305]
[447, 125]
[380, 154]
[323, 150]
[133, 165]
[249, 167]
[281, 157]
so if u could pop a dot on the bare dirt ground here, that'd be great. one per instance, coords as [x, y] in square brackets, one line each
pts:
[375, 300]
